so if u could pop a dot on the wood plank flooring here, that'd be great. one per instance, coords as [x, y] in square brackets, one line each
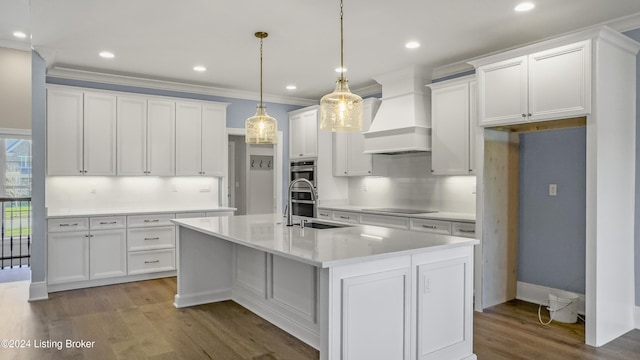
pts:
[138, 321]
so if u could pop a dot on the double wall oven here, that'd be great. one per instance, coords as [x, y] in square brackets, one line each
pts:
[301, 203]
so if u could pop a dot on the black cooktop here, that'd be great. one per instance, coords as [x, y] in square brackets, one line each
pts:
[401, 211]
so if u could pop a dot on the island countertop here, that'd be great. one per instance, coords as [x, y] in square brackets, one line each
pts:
[321, 247]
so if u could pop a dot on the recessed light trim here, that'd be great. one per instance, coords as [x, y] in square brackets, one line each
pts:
[412, 45]
[19, 34]
[291, 87]
[525, 6]
[107, 55]
[199, 68]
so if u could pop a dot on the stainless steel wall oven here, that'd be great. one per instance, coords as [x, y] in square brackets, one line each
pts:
[301, 203]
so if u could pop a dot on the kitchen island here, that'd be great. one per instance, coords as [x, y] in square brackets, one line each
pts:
[353, 292]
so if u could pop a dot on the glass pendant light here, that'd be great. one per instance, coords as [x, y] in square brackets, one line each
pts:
[341, 111]
[261, 128]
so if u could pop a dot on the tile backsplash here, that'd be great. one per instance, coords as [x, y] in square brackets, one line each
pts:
[409, 183]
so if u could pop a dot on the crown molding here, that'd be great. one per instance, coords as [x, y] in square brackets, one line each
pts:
[368, 90]
[124, 80]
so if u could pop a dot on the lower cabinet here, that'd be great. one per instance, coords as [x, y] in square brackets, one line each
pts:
[107, 253]
[68, 257]
[151, 243]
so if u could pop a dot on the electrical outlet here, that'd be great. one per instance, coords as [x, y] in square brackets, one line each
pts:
[553, 189]
[94, 191]
[205, 190]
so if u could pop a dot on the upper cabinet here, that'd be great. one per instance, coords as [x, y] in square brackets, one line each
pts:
[303, 133]
[146, 137]
[200, 133]
[348, 148]
[453, 121]
[546, 85]
[81, 133]
[108, 133]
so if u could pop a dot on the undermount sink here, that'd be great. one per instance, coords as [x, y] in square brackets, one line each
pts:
[318, 225]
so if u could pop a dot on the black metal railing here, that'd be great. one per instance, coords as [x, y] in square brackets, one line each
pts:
[15, 239]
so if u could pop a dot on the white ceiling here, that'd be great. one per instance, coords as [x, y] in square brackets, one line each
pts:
[164, 39]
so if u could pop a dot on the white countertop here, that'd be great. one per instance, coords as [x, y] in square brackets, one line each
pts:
[55, 213]
[451, 216]
[321, 247]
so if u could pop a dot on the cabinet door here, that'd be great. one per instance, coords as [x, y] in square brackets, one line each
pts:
[67, 257]
[107, 253]
[161, 145]
[340, 157]
[99, 134]
[450, 121]
[214, 140]
[503, 92]
[188, 139]
[132, 136]
[64, 132]
[361, 164]
[560, 82]
[303, 135]
[473, 125]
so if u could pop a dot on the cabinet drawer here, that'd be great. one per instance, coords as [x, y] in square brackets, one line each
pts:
[137, 221]
[345, 216]
[386, 221]
[463, 229]
[107, 222]
[68, 224]
[151, 261]
[161, 237]
[431, 226]
[324, 214]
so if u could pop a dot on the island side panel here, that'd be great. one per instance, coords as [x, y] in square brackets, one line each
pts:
[205, 268]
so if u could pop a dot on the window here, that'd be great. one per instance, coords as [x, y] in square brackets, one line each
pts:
[15, 166]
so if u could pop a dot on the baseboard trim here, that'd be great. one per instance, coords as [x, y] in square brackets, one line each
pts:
[636, 317]
[201, 298]
[38, 291]
[539, 294]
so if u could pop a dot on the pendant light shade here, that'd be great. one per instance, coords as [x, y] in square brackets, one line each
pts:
[341, 111]
[261, 128]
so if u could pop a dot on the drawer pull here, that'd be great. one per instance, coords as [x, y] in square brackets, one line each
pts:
[153, 238]
[152, 261]
[345, 217]
[467, 231]
[108, 222]
[430, 226]
[75, 224]
[152, 221]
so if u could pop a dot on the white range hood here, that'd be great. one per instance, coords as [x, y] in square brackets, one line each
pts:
[403, 121]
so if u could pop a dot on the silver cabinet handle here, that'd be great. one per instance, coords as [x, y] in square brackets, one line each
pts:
[467, 231]
[153, 238]
[152, 262]
[108, 222]
[430, 226]
[345, 217]
[152, 221]
[524, 115]
[75, 224]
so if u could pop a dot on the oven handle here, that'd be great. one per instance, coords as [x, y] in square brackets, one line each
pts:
[302, 168]
[303, 201]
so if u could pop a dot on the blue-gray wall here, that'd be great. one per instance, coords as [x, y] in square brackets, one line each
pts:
[38, 137]
[551, 241]
[237, 112]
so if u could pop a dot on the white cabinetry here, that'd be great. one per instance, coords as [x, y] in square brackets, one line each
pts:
[150, 243]
[348, 148]
[81, 249]
[146, 136]
[547, 85]
[303, 133]
[81, 133]
[453, 106]
[200, 135]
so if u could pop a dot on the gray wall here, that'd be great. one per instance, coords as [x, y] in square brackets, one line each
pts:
[635, 34]
[15, 89]
[551, 239]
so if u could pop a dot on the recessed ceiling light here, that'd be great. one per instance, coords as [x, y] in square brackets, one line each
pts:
[525, 6]
[199, 68]
[291, 87]
[412, 45]
[107, 55]
[19, 34]
[341, 70]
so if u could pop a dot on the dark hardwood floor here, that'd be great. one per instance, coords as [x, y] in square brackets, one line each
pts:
[138, 321]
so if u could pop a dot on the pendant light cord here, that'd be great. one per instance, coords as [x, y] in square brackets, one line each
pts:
[260, 72]
[341, 42]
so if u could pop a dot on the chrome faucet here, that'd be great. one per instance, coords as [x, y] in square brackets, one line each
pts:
[314, 196]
